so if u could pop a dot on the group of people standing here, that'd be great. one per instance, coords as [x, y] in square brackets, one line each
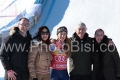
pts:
[44, 58]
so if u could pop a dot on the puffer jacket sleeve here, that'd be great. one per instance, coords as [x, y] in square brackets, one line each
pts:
[31, 59]
[5, 52]
[116, 59]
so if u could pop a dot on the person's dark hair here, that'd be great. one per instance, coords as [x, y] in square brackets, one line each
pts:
[38, 34]
[67, 41]
[99, 29]
[24, 19]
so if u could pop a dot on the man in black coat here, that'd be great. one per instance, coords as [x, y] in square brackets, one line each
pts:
[81, 59]
[108, 58]
[14, 53]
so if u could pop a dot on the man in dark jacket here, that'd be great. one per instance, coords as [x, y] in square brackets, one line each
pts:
[109, 60]
[81, 57]
[14, 53]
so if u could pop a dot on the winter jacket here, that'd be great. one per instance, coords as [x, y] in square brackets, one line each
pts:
[15, 58]
[81, 60]
[109, 60]
[39, 58]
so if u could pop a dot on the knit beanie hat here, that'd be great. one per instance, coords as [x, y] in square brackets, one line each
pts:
[62, 29]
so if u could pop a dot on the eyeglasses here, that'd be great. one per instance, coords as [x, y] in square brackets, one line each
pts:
[43, 33]
[24, 25]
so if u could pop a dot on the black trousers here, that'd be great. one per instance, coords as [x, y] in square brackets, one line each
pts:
[80, 77]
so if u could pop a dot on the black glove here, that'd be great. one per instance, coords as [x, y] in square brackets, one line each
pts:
[35, 79]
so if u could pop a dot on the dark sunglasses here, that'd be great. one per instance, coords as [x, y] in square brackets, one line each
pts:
[43, 33]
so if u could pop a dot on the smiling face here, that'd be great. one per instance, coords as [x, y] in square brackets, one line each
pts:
[44, 34]
[23, 25]
[80, 31]
[62, 36]
[99, 36]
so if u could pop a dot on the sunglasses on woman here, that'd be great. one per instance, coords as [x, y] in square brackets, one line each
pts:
[43, 33]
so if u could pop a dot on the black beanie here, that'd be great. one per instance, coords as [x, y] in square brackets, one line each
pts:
[62, 29]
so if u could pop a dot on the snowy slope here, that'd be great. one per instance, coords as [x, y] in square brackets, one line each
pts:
[10, 9]
[94, 13]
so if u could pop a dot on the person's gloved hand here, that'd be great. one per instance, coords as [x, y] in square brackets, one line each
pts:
[35, 79]
[118, 77]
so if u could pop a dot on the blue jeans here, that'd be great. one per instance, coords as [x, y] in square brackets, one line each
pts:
[59, 74]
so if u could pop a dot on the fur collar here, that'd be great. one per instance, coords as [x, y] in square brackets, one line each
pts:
[36, 42]
[13, 30]
[75, 37]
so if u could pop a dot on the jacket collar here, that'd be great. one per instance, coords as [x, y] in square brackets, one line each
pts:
[75, 36]
[15, 31]
[36, 42]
